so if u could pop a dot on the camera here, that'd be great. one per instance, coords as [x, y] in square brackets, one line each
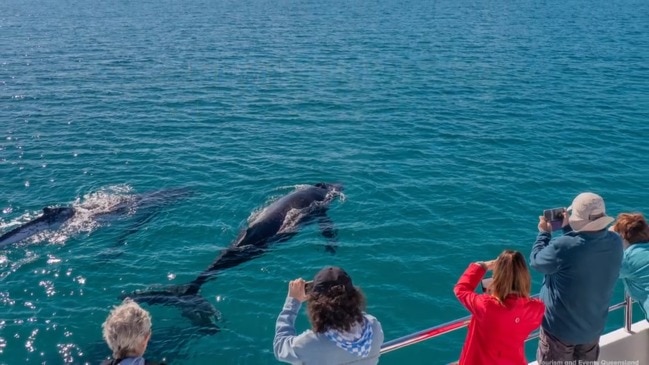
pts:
[485, 284]
[555, 217]
[307, 286]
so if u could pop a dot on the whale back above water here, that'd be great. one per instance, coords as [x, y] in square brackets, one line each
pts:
[51, 219]
[59, 223]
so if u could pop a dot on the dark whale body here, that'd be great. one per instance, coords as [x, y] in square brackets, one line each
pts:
[52, 218]
[276, 223]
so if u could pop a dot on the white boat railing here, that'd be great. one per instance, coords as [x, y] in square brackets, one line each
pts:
[451, 326]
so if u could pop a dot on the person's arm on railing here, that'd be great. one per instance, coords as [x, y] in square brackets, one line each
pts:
[465, 287]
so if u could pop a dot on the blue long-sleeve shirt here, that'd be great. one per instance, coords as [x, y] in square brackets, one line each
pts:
[580, 269]
[635, 274]
[315, 348]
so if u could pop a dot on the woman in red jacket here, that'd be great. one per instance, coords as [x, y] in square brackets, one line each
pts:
[504, 316]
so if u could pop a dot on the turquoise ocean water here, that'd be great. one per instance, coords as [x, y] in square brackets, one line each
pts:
[452, 124]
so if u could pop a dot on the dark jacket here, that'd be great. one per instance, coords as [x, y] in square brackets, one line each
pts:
[581, 269]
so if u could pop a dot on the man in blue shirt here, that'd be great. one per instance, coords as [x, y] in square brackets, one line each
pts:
[580, 268]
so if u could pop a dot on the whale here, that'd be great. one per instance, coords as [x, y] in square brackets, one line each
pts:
[278, 222]
[53, 218]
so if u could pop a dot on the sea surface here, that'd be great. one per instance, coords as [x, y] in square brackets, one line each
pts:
[451, 123]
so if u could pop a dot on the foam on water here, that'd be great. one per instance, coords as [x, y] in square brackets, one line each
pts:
[91, 212]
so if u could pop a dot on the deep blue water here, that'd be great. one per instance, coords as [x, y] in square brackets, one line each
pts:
[452, 124]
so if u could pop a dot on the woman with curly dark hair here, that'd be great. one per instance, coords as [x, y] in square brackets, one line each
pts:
[341, 332]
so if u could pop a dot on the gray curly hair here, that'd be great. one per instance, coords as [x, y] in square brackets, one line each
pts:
[126, 329]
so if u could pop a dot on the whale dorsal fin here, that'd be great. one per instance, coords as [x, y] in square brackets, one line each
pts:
[321, 185]
[47, 210]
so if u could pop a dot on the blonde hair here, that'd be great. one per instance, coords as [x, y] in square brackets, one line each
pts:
[632, 227]
[510, 276]
[127, 327]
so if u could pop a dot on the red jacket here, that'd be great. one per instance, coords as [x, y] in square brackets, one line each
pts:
[497, 332]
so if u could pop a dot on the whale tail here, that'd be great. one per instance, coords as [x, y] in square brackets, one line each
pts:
[185, 297]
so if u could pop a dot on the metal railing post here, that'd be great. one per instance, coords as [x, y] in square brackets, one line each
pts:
[628, 312]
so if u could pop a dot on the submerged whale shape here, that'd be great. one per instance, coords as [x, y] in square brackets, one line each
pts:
[54, 217]
[278, 222]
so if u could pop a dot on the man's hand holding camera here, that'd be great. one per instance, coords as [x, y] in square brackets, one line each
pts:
[545, 224]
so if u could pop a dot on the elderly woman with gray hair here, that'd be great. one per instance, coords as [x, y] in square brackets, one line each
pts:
[127, 331]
